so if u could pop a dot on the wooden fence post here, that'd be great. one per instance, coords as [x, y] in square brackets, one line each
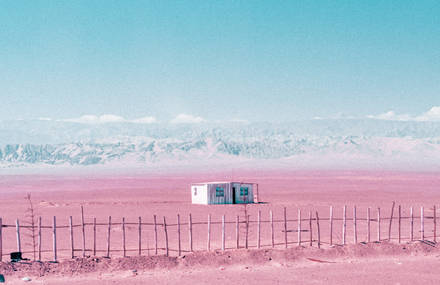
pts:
[166, 236]
[190, 234]
[411, 233]
[17, 230]
[223, 233]
[208, 246]
[435, 225]
[108, 235]
[54, 228]
[391, 221]
[271, 229]
[319, 231]
[139, 236]
[285, 227]
[400, 220]
[331, 225]
[155, 234]
[310, 228]
[1, 239]
[422, 224]
[39, 238]
[124, 252]
[83, 232]
[299, 227]
[71, 237]
[354, 226]
[179, 242]
[94, 236]
[368, 224]
[344, 224]
[258, 229]
[247, 232]
[378, 224]
[237, 231]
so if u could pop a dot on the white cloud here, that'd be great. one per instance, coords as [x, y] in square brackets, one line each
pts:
[187, 119]
[108, 118]
[44, 119]
[432, 115]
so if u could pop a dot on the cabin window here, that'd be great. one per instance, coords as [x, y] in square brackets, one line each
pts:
[244, 191]
[195, 191]
[219, 192]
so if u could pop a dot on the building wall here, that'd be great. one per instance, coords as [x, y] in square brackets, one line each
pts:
[240, 194]
[199, 194]
[213, 198]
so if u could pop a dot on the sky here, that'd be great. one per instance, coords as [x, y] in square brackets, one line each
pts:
[196, 61]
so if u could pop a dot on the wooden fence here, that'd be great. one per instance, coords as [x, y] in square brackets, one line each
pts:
[306, 229]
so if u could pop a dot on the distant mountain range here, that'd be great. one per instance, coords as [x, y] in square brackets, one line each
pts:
[320, 143]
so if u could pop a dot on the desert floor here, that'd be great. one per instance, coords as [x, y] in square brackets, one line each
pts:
[167, 194]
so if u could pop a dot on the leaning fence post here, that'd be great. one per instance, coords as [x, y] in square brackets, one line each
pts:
[258, 229]
[400, 218]
[71, 237]
[319, 231]
[223, 233]
[331, 225]
[378, 224]
[155, 234]
[17, 229]
[310, 228]
[411, 233]
[108, 235]
[422, 224]
[83, 232]
[190, 233]
[124, 252]
[368, 224]
[354, 225]
[1, 239]
[166, 235]
[208, 246]
[39, 238]
[54, 228]
[271, 229]
[391, 221]
[285, 227]
[344, 224]
[435, 225]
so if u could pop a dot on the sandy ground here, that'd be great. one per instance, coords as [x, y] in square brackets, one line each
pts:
[165, 194]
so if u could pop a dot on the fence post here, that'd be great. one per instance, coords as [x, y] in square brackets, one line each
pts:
[331, 225]
[223, 233]
[411, 233]
[247, 231]
[344, 223]
[166, 235]
[435, 225]
[39, 238]
[271, 229]
[319, 231]
[124, 252]
[299, 227]
[71, 236]
[400, 220]
[155, 234]
[179, 243]
[237, 231]
[310, 228]
[17, 229]
[391, 221]
[108, 235]
[208, 246]
[140, 235]
[190, 234]
[94, 236]
[354, 225]
[54, 239]
[1, 239]
[259, 229]
[378, 224]
[368, 224]
[285, 227]
[83, 232]
[422, 224]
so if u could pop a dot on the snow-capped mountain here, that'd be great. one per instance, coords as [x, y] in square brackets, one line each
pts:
[323, 143]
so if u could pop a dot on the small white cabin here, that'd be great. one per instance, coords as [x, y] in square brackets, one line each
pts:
[224, 193]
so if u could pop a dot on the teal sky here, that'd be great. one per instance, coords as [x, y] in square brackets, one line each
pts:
[220, 60]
